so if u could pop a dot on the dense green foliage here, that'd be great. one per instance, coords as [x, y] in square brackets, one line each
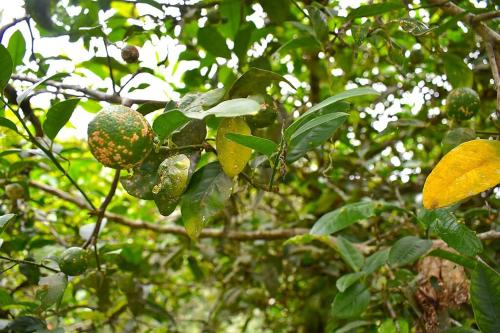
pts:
[308, 220]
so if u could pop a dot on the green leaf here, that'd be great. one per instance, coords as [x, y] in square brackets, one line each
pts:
[343, 217]
[4, 122]
[348, 280]
[457, 72]
[260, 145]
[453, 257]
[320, 121]
[350, 254]
[255, 81]
[389, 326]
[17, 48]
[349, 328]
[58, 115]
[455, 234]
[231, 108]
[167, 123]
[21, 97]
[319, 23]
[352, 302]
[308, 43]
[457, 136]
[196, 102]
[5, 68]
[141, 182]
[5, 297]
[206, 195]
[211, 40]
[485, 298]
[339, 97]
[414, 26]
[312, 138]
[4, 221]
[51, 288]
[375, 261]
[407, 250]
[231, 9]
[374, 9]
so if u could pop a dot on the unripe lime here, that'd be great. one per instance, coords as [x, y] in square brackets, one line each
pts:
[462, 103]
[14, 191]
[120, 137]
[130, 54]
[73, 261]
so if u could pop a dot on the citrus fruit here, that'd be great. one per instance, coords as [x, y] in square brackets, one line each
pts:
[462, 103]
[232, 156]
[173, 175]
[120, 137]
[130, 54]
[14, 191]
[267, 114]
[73, 261]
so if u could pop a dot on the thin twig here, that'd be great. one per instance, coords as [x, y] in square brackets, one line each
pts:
[108, 58]
[18, 261]
[102, 210]
[10, 25]
[128, 81]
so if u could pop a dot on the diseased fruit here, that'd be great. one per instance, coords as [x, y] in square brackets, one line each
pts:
[14, 191]
[173, 177]
[73, 261]
[120, 137]
[232, 156]
[193, 133]
[267, 114]
[130, 54]
[462, 103]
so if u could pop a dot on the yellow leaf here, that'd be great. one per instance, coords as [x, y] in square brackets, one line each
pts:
[469, 169]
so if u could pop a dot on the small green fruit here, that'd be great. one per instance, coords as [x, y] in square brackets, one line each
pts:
[14, 191]
[462, 103]
[73, 261]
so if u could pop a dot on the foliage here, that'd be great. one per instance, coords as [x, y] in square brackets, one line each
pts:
[307, 167]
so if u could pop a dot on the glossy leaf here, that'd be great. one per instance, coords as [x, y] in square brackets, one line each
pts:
[453, 257]
[6, 67]
[140, 183]
[4, 221]
[343, 217]
[17, 48]
[320, 121]
[352, 302]
[4, 122]
[348, 280]
[260, 145]
[457, 72]
[255, 81]
[51, 288]
[319, 23]
[407, 250]
[375, 9]
[167, 123]
[456, 234]
[229, 109]
[350, 254]
[211, 40]
[470, 168]
[375, 261]
[485, 298]
[58, 115]
[207, 194]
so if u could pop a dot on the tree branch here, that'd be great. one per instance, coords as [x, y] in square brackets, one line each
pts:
[93, 94]
[18, 261]
[486, 16]
[10, 25]
[269, 235]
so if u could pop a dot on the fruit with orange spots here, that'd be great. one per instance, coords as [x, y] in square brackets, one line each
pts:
[73, 261]
[233, 157]
[120, 137]
[130, 54]
[462, 103]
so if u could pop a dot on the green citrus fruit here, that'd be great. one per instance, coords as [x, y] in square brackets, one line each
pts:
[120, 137]
[14, 191]
[193, 133]
[267, 114]
[232, 156]
[462, 103]
[73, 261]
[130, 54]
